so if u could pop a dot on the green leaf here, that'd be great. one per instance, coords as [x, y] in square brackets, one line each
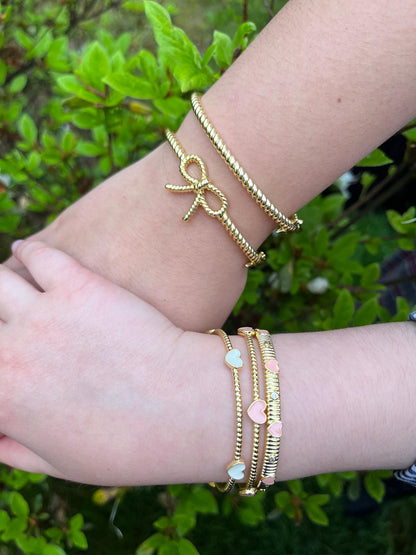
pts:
[129, 85]
[343, 309]
[319, 499]
[88, 118]
[240, 40]
[410, 134]
[374, 486]
[406, 244]
[375, 158]
[282, 499]
[169, 548]
[24, 40]
[78, 538]
[295, 487]
[70, 84]
[53, 550]
[86, 148]
[203, 501]
[172, 106]
[76, 522]
[150, 544]
[95, 66]
[27, 129]
[14, 528]
[3, 72]
[367, 313]
[4, 520]
[17, 84]
[186, 547]
[176, 50]
[148, 65]
[184, 523]
[223, 54]
[18, 504]
[370, 275]
[315, 513]
[41, 47]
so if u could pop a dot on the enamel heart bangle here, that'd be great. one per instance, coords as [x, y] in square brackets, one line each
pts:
[200, 186]
[237, 466]
[274, 423]
[256, 412]
[284, 223]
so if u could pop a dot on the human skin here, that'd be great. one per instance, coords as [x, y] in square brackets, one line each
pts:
[322, 85]
[97, 386]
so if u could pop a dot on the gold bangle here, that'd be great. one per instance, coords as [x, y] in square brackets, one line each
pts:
[256, 411]
[237, 466]
[285, 223]
[274, 423]
[199, 186]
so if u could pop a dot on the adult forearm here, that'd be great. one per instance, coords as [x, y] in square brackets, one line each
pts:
[347, 404]
[320, 87]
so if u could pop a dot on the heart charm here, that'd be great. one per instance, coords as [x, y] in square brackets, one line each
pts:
[275, 429]
[268, 480]
[233, 359]
[272, 365]
[256, 411]
[236, 470]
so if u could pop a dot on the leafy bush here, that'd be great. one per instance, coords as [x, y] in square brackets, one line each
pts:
[78, 102]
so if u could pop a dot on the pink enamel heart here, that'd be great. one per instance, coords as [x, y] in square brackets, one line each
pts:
[268, 480]
[256, 411]
[275, 429]
[272, 365]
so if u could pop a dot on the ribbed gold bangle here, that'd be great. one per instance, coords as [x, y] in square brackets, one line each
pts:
[237, 466]
[256, 411]
[284, 223]
[274, 423]
[199, 187]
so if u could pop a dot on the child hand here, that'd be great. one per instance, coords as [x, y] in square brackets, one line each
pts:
[86, 372]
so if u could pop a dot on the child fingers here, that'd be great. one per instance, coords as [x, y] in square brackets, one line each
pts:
[15, 294]
[16, 455]
[48, 266]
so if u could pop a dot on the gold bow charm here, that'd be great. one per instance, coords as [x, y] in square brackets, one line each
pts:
[198, 186]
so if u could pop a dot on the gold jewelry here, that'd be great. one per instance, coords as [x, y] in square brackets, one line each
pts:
[256, 411]
[199, 186]
[274, 423]
[236, 467]
[285, 223]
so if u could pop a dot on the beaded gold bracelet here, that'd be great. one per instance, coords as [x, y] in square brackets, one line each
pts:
[284, 223]
[256, 411]
[237, 466]
[274, 423]
[199, 187]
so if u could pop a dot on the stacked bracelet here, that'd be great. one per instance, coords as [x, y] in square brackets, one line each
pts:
[284, 223]
[236, 467]
[260, 412]
[274, 423]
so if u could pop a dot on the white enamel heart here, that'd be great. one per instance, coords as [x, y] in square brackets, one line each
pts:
[233, 359]
[236, 470]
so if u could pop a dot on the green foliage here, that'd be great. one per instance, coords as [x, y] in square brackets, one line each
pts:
[72, 111]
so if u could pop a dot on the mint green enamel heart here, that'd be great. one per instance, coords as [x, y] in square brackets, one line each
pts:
[233, 359]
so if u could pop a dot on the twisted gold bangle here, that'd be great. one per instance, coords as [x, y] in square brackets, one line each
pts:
[236, 467]
[274, 423]
[285, 223]
[255, 412]
[199, 186]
